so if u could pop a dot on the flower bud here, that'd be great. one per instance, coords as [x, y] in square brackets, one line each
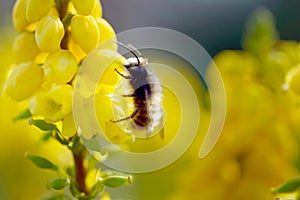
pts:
[54, 104]
[60, 67]
[105, 59]
[71, 8]
[68, 128]
[25, 48]
[107, 35]
[19, 15]
[76, 50]
[24, 79]
[49, 33]
[85, 32]
[97, 12]
[36, 9]
[84, 7]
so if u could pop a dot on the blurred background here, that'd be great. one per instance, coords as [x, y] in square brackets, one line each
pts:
[215, 24]
[236, 169]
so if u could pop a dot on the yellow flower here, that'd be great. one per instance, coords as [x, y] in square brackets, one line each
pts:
[76, 50]
[60, 67]
[24, 79]
[25, 48]
[19, 15]
[49, 33]
[97, 12]
[108, 60]
[107, 33]
[54, 104]
[84, 7]
[85, 32]
[68, 127]
[36, 9]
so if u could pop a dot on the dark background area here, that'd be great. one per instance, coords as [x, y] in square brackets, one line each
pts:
[215, 24]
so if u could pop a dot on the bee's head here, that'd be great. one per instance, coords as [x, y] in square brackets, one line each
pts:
[135, 61]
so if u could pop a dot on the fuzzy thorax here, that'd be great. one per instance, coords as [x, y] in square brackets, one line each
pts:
[134, 62]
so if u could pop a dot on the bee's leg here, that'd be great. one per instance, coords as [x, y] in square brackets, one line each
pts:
[127, 118]
[126, 77]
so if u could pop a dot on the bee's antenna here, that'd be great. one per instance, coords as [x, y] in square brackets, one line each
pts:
[130, 46]
[130, 50]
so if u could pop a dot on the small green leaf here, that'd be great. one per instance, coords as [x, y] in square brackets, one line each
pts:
[41, 162]
[23, 115]
[289, 186]
[41, 124]
[96, 190]
[60, 183]
[116, 181]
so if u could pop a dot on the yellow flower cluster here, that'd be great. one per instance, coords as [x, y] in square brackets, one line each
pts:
[258, 147]
[54, 37]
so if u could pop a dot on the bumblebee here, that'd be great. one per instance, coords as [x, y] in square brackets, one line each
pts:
[146, 93]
